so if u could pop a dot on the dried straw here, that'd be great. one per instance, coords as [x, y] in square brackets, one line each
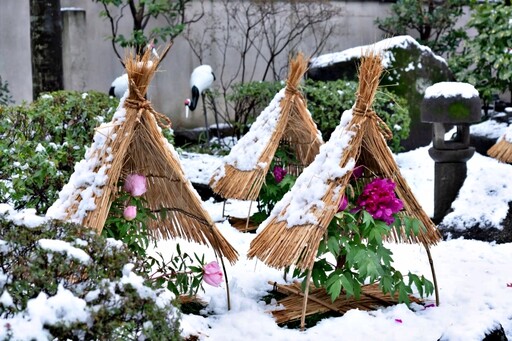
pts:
[501, 151]
[295, 127]
[139, 147]
[280, 246]
[320, 301]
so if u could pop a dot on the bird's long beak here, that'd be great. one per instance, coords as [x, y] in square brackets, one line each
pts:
[186, 111]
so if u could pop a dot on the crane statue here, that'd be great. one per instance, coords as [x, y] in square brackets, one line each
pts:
[201, 79]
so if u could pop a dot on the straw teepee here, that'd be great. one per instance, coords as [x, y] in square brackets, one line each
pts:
[502, 150]
[285, 120]
[292, 233]
[133, 143]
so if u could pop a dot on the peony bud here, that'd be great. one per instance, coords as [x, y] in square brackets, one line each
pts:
[343, 204]
[357, 172]
[130, 212]
[135, 184]
[212, 274]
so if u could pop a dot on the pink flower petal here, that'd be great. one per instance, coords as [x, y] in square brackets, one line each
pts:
[135, 184]
[398, 320]
[212, 274]
[130, 212]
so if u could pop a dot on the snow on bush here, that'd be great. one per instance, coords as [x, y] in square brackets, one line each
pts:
[63, 281]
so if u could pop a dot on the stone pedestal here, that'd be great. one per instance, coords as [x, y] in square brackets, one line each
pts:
[446, 105]
[450, 173]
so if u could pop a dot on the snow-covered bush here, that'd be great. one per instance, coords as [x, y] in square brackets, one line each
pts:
[63, 281]
[41, 142]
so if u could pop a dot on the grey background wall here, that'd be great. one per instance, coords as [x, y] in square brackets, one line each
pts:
[90, 63]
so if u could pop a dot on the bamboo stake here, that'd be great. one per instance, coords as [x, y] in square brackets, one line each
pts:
[305, 302]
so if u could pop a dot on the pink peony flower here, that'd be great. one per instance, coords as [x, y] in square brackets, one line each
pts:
[379, 199]
[279, 173]
[130, 212]
[135, 184]
[343, 204]
[212, 274]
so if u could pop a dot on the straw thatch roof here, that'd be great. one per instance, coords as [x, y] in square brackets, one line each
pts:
[286, 119]
[133, 143]
[502, 150]
[292, 233]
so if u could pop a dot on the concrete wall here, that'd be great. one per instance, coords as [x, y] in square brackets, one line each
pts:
[93, 64]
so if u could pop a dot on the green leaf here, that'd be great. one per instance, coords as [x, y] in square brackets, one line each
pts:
[403, 293]
[367, 218]
[334, 289]
[333, 246]
[347, 284]
[319, 277]
[386, 285]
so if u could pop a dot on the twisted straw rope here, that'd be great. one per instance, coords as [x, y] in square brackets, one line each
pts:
[384, 129]
[140, 104]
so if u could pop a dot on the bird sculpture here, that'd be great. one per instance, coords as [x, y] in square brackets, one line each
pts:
[120, 85]
[201, 79]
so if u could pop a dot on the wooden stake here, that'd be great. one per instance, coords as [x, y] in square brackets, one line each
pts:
[305, 302]
[434, 278]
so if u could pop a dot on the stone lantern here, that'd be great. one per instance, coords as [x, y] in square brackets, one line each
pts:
[445, 105]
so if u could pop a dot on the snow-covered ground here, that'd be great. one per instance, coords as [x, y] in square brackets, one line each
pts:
[475, 278]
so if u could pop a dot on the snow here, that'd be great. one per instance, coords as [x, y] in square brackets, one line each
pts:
[473, 281]
[382, 46]
[474, 277]
[451, 89]
[89, 176]
[490, 129]
[254, 142]
[505, 133]
[310, 187]
[64, 247]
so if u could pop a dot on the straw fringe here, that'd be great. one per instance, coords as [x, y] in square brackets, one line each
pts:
[280, 246]
[295, 127]
[501, 151]
[139, 147]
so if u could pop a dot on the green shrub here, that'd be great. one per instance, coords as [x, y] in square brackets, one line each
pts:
[5, 94]
[63, 281]
[326, 102]
[40, 144]
[249, 100]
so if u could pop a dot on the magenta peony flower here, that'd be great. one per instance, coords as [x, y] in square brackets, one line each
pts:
[130, 212]
[357, 172]
[212, 274]
[379, 199]
[279, 173]
[135, 184]
[343, 204]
